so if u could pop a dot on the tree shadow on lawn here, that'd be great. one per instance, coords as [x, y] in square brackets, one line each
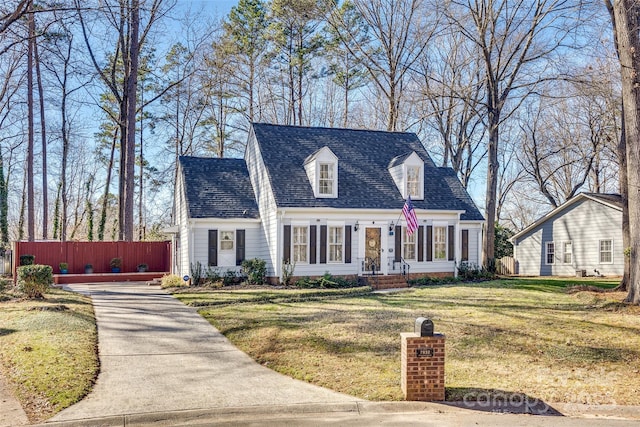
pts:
[501, 401]
[540, 284]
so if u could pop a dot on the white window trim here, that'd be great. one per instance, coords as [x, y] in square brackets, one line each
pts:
[233, 240]
[420, 194]
[329, 244]
[564, 252]
[415, 244]
[600, 251]
[293, 244]
[446, 242]
[334, 180]
[546, 253]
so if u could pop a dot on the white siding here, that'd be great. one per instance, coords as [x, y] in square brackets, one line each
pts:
[266, 206]
[583, 224]
[182, 242]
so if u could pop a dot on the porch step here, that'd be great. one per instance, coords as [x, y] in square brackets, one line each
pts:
[60, 279]
[384, 282]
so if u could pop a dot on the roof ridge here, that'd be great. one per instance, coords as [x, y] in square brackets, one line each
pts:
[333, 128]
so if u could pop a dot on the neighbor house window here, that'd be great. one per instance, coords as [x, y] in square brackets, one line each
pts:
[440, 243]
[300, 244]
[408, 245]
[327, 175]
[335, 244]
[567, 252]
[226, 240]
[551, 252]
[606, 251]
[413, 181]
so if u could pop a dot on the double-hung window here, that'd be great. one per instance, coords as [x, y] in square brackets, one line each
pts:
[606, 251]
[567, 252]
[408, 245]
[413, 181]
[336, 239]
[439, 243]
[550, 253]
[300, 244]
[227, 240]
[326, 178]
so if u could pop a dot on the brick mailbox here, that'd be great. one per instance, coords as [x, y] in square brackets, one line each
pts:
[422, 363]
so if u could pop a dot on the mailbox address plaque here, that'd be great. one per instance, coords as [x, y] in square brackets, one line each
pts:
[424, 352]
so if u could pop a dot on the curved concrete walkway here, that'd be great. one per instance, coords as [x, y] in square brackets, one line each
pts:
[158, 355]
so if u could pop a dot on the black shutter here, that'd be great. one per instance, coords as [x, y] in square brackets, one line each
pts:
[323, 244]
[451, 242]
[240, 247]
[465, 245]
[313, 234]
[429, 243]
[421, 243]
[347, 244]
[213, 247]
[398, 244]
[286, 243]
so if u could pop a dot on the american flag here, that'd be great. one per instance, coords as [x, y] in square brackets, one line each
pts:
[410, 216]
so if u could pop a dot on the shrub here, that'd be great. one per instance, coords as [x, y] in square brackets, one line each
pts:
[470, 272]
[5, 284]
[255, 270]
[63, 266]
[172, 281]
[326, 281]
[34, 280]
[231, 278]
[27, 259]
[115, 262]
[196, 273]
[287, 272]
[431, 281]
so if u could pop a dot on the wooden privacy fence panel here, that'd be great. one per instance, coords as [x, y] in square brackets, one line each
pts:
[156, 255]
[506, 265]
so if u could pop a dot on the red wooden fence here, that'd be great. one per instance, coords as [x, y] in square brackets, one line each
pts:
[157, 255]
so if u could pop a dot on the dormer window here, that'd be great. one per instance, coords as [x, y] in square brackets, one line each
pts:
[407, 171]
[413, 182]
[322, 171]
[325, 184]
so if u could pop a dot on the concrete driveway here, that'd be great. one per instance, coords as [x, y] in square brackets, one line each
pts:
[158, 355]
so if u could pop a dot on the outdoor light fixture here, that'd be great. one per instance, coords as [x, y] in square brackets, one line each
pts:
[356, 226]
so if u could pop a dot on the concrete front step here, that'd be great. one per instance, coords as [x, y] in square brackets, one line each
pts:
[384, 282]
[107, 277]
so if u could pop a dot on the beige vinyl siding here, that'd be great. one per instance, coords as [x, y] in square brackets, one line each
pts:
[584, 224]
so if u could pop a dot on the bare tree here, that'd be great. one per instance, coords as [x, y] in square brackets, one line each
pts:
[121, 78]
[400, 33]
[626, 21]
[513, 37]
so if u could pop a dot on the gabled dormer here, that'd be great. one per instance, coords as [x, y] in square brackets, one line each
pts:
[407, 171]
[322, 171]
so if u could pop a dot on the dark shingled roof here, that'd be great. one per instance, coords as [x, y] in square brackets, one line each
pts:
[611, 198]
[364, 180]
[218, 188]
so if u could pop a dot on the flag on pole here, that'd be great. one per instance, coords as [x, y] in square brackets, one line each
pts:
[410, 216]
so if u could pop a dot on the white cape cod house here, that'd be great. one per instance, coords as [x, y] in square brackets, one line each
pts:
[324, 200]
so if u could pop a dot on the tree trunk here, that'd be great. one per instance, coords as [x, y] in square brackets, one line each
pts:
[130, 153]
[43, 135]
[626, 14]
[624, 191]
[30, 142]
[105, 197]
[488, 254]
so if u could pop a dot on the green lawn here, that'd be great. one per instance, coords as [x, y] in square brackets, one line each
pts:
[505, 336]
[48, 351]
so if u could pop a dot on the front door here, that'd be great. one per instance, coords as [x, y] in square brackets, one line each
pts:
[372, 250]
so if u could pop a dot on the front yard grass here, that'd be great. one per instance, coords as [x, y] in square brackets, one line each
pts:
[48, 351]
[515, 336]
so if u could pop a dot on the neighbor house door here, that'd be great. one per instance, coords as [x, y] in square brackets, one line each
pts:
[372, 250]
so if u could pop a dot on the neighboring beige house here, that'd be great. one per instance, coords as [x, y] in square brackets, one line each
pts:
[325, 200]
[583, 236]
